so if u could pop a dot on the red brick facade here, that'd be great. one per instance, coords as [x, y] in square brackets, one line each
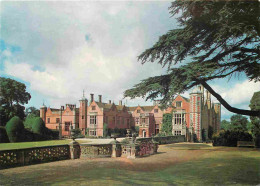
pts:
[189, 116]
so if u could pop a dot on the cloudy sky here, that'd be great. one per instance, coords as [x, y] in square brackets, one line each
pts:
[59, 48]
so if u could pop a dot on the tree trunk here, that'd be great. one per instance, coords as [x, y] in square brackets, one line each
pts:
[226, 105]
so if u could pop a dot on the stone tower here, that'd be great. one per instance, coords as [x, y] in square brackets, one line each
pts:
[43, 111]
[195, 112]
[217, 108]
[83, 114]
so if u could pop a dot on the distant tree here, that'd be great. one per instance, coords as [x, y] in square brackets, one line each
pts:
[13, 96]
[216, 39]
[239, 122]
[210, 132]
[105, 130]
[32, 112]
[255, 105]
[225, 125]
[167, 124]
[15, 129]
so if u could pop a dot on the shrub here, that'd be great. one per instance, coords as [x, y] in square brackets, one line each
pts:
[77, 133]
[38, 126]
[15, 129]
[105, 130]
[161, 134]
[29, 121]
[230, 138]
[3, 135]
[119, 132]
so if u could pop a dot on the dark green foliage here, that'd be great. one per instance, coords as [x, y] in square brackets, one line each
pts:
[238, 122]
[204, 135]
[160, 134]
[13, 96]
[3, 135]
[255, 121]
[105, 130]
[76, 133]
[230, 138]
[210, 132]
[29, 121]
[167, 124]
[216, 39]
[225, 125]
[15, 129]
[38, 126]
[136, 129]
[32, 112]
[117, 131]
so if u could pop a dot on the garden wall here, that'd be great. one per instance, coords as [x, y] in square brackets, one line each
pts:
[20, 157]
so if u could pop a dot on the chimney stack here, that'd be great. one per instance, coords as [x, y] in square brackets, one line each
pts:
[109, 101]
[120, 102]
[91, 98]
[100, 98]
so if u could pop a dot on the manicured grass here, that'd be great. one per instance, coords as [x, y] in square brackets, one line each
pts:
[21, 145]
[177, 164]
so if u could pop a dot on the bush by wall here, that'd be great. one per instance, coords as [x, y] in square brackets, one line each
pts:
[15, 129]
[230, 138]
[119, 132]
[77, 133]
[3, 135]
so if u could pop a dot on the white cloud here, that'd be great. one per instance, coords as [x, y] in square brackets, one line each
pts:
[51, 36]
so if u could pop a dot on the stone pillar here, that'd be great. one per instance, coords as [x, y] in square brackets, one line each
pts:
[116, 149]
[74, 150]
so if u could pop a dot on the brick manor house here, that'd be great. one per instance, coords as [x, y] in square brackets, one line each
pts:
[190, 116]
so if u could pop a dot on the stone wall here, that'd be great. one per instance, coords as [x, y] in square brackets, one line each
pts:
[20, 157]
[95, 150]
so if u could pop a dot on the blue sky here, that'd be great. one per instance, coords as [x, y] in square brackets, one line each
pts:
[59, 48]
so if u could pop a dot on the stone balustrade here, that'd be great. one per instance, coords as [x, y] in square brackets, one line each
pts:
[20, 157]
[95, 150]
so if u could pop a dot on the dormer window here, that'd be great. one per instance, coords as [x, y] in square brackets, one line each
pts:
[155, 110]
[138, 111]
[93, 107]
[178, 104]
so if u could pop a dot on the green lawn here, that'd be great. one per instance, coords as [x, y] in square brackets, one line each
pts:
[177, 164]
[21, 145]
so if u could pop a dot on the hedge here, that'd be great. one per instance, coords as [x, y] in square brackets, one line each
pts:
[15, 129]
[3, 135]
[230, 138]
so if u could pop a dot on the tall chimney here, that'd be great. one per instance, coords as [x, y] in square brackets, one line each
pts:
[100, 98]
[120, 102]
[91, 98]
[110, 102]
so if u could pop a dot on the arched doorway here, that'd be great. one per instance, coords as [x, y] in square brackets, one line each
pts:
[144, 133]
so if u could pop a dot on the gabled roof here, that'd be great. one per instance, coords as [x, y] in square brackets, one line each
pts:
[131, 109]
[186, 99]
[147, 108]
[119, 107]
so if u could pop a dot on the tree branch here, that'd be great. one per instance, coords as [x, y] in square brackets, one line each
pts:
[226, 105]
